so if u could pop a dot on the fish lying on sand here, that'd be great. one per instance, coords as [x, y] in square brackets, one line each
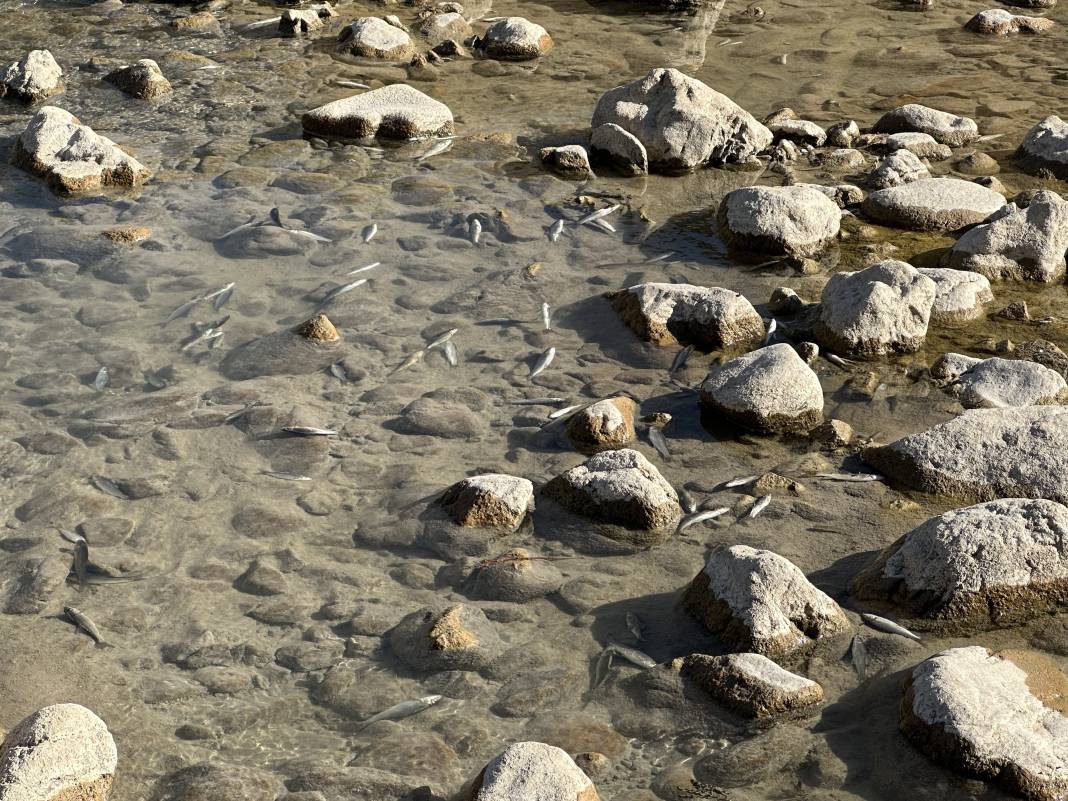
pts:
[680, 359]
[369, 232]
[442, 338]
[546, 316]
[101, 379]
[555, 230]
[858, 655]
[543, 361]
[82, 622]
[452, 355]
[759, 506]
[658, 441]
[286, 476]
[597, 215]
[108, 487]
[474, 231]
[741, 481]
[849, 476]
[309, 431]
[632, 655]
[888, 626]
[700, 517]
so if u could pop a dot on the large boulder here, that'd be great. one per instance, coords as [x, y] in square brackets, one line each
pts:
[751, 684]
[618, 486]
[491, 500]
[458, 637]
[396, 111]
[681, 122]
[1045, 148]
[877, 311]
[997, 383]
[72, 158]
[709, 318]
[959, 295]
[984, 454]
[142, 79]
[32, 78]
[995, 716]
[515, 39]
[995, 564]
[796, 220]
[372, 37]
[1017, 244]
[949, 129]
[58, 753]
[531, 771]
[770, 390]
[933, 204]
[758, 601]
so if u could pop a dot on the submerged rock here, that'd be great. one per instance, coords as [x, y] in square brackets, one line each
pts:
[371, 37]
[709, 318]
[33, 78]
[62, 751]
[603, 425]
[620, 148]
[933, 204]
[515, 39]
[795, 220]
[949, 129]
[71, 157]
[770, 390]
[758, 601]
[517, 576]
[959, 295]
[681, 122]
[997, 383]
[991, 565]
[142, 79]
[877, 311]
[394, 112]
[999, 22]
[492, 500]
[751, 684]
[308, 348]
[984, 454]
[318, 328]
[999, 716]
[1017, 244]
[568, 161]
[1045, 147]
[531, 771]
[458, 637]
[618, 486]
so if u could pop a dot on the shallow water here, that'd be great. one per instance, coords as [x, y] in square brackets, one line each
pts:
[225, 147]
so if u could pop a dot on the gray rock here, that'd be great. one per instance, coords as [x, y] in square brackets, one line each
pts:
[919, 144]
[33, 78]
[991, 565]
[946, 128]
[618, 486]
[984, 454]
[517, 576]
[881, 310]
[751, 684]
[142, 79]
[842, 194]
[803, 132]
[371, 37]
[568, 161]
[296, 21]
[794, 220]
[441, 417]
[439, 28]
[515, 39]
[998, 383]
[216, 779]
[843, 160]
[842, 134]
[900, 167]
[1017, 244]
[977, 163]
[395, 112]
[458, 637]
[491, 500]
[1045, 147]
[999, 22]
[998, 716]
[530, 771]
[709, 318]
[758, 601]
[681, 122]
[71, 157]
[262, 579]
[959, 295]
[62, 751]
[622, 149]
[933, 204]
[785, 300]
[770, 389]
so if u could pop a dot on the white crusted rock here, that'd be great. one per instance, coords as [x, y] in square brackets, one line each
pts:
[999, 383]
[751, 684]
[394, 112]
[803, 132]
[622, 149]
[491, 500]
[949, 129]
[32, 78]
[371, 37]
[1045, 147]
[919, 144]
[796, 220]
[959, 295]
[900, 167]
[933, 204]
[515, 39]
[603, 425]
[999, 22]
[531, 771]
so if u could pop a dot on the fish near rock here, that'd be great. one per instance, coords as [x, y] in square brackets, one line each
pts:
[491, 500]
[318, 328]
[603, 425]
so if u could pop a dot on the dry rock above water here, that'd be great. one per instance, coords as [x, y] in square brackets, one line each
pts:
[946, 128]
[681, 122]
[984, 454]
[998, 383]
[921, 145]
[59, 752]
[603, 425]
[531, 771]
[709, 318]
[71, 157]
[449, 25]
[803, 132]
[795, 220]
[515, 39]
[490, 500]
[900, 167]
[1017, 244]
[142, 79]
[959, 295]
[758, 601]
[995, 564]
[770, 390]
[933, 204]
[996, 716]
[751, 684]
[458, 637]
[1045, 147]
[296, 21]
[620, 148]
[371, 37]
[877, 311]
[397, 111]
[567, 161]
[32, 78]
[999, 22]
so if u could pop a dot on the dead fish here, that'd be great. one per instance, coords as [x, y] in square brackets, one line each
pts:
[181, 311]
[223, 298]
[759, 506]
[275, 216]
[989, 137]
[741, 481]
[601, 669]
[565, 411]
[838, 360]
[539, 401]
[208, 334]
[661, 257]
[309, 431]
[415, 357]
[242, 411]
[82, 621]
[858, 655]
[71, 536]
[215, 340]
[700, 517]
[263, 23]
[405, 709]
[771, 330]
[658, 441]
[632, 655]
[544, 361]
[474, 231]
[442, 338]
[888, 626]
[680, 360]
[849, 476]
[341, 290]
[546, 316]
[101, 380]
[364, 269]
[108, 487]
[452, 356]
[286, 476]
[604, 225]
[555, 230]
[686, 500]
[369, 232]
[597, 215]
[350, 84]
[307, 235]
[636, 627]
[435, 150]
[243, 227]
[337, 370]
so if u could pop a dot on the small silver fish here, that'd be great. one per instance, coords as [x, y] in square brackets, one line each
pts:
[364, 269]
[181, 311]
[838, 360]
[741, 481]
[263, 23]
[555, 230]
[82, 621]
[474, 231]
[601, 669]
[604, 225]
[539, 401]
[101, 380]
[700, 517]
[546, 316]
[636, 627]
[71, 536]
[632, 655]
[452, 356]
[309, 431]
[858, 655]
[208, 333]
[243, 227]
[680, 360]
[889, 626]
[286, 476]
[108, 487]
[307, 235]
[369, 232]
[543, 361]
[442, 338]
[402, 710]
[341, 290]
[222, 298]
[337, 370]
[275, 216]
[565, 411]
[774, 324]
[411, 360]
[435, 150]
[686, 500]
[217, 292]
[849, 476]
[661, 257]
[658, 441]
[759, 506]
[350, 84]
[989, 137]
[597, 215]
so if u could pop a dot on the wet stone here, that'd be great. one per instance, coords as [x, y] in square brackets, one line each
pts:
[1045, 148]
[212, 780]
[530, 771]
[33, 582]
[516, 576]
[985, 383]
[303, 657]
[490, 500]
[262, 579]
[959, 295]
[458, 637]
[394, 112]
[946, 128]
[933, 204]
[568, 161]
[515, 39]
[142, 79]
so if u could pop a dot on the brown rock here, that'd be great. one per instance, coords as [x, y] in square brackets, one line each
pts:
[127, 235]
[196, 22]
[603, 426]
[751, 684]
[318, 328]
[834, 434]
